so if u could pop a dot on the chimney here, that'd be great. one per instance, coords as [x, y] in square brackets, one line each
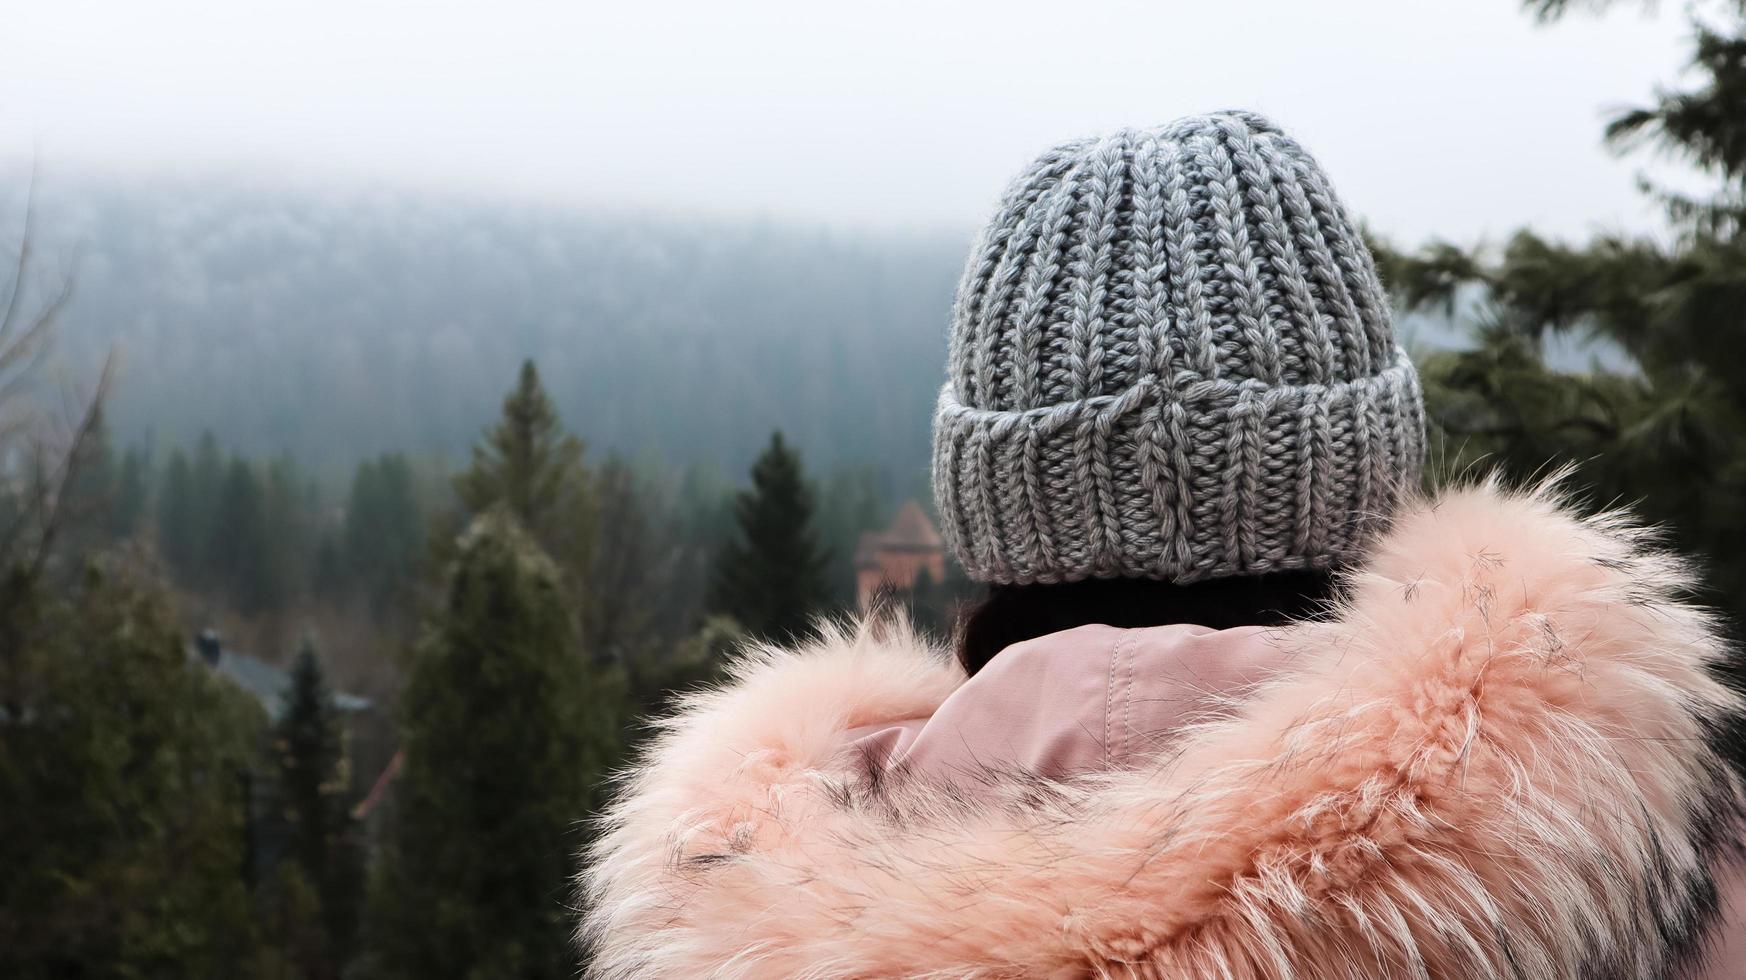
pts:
[209, 646]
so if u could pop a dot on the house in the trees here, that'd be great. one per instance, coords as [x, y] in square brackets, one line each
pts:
[270, 685]
[895, 559]
[368, 739]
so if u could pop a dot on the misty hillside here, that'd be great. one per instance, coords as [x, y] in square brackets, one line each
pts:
[336, 325]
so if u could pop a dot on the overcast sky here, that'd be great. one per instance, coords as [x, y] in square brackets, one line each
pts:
[1434, 117]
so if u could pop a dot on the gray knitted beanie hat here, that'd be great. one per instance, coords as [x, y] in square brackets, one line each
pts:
[1171, 358]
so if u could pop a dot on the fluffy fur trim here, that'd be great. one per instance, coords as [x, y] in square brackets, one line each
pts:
[1496, 760]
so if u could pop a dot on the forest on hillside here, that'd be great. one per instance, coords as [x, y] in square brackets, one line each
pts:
[335, 325]
[483, 491]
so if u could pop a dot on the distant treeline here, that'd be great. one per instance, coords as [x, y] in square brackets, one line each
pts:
[522, 616]
[266, 544]
[334, 326]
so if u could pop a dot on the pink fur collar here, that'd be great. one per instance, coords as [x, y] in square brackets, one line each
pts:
[1498, 760]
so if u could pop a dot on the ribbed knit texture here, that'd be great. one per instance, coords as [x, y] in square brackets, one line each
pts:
[1171, 358]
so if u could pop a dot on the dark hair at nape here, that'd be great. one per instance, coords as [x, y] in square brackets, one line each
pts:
[1012, 614]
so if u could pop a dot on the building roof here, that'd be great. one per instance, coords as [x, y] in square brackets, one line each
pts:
[866, 549]
[894, 559]
[912, 531]
[269, 684]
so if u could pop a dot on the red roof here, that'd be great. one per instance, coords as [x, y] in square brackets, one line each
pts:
[911, 531]
[380, 790]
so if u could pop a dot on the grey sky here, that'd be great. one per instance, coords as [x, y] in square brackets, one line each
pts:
[1458, 119]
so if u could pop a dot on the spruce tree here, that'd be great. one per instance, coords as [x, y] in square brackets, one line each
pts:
[131, 494]
[313, 781]
[527, 462]
[124, 789]
[207, 476]
[384, 529]
[179, 526]
[330, 576]
[507, 729]
[360, 555]
[1661, 422]
[240, 549]
[286, 555]
[771, 575]
[630, 564]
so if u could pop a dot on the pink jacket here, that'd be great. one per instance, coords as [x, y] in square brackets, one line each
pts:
[1502, 758]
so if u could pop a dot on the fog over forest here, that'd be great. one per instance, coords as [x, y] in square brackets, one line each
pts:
[335, 324]
[338, 324]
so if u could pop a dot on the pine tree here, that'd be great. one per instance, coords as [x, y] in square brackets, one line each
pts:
[312, 779]
[132, 488]
[123, 791]
[401, 527]
[640, 603]
[1663, 426]
[771, 576]
[361, 549]
[205, 492]
[384, 528]
[527, 462]
[507, 729]
[179, 528]
[330, 573]
[286, 556]
[240, 553]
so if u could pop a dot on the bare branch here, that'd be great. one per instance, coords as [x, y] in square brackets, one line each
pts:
[21, 269]
[1547, 11]
[73, 461]
[53, 473]
[31, 342]
[42, 465]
